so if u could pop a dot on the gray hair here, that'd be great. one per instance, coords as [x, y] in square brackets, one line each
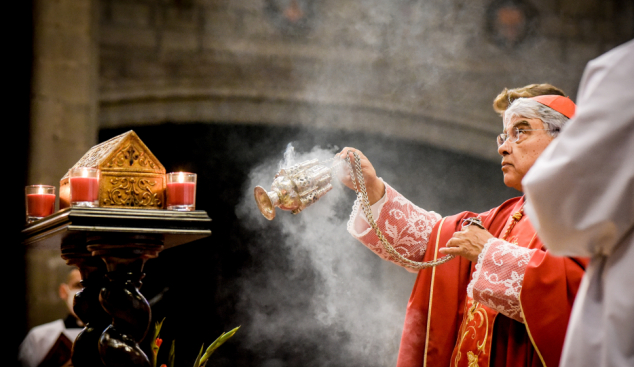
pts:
[531, 109]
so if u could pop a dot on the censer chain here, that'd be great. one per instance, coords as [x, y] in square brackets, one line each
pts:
[362, 196]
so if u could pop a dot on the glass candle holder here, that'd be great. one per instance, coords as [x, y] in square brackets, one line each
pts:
[181, 191]
[40, 202]
[84, 187]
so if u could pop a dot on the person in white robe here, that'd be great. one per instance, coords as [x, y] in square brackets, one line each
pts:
[580, 199]
[52, 339]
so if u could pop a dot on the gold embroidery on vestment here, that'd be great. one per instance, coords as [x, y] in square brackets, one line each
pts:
[473, 359]
[474, 310]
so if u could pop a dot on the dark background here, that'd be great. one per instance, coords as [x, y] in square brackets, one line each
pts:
[17, 61]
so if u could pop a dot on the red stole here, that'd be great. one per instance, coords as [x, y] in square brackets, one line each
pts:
[438, 302]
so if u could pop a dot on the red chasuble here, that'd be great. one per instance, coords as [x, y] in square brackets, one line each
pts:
[434, 334]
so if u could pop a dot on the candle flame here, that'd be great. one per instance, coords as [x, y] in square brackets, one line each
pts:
[84, 173]
[181, 177]
[40, 190]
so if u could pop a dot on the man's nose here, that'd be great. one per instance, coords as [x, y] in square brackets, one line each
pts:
[505, 148]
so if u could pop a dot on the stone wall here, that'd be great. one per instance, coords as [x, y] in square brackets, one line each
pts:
[421, 70]
[64, 87]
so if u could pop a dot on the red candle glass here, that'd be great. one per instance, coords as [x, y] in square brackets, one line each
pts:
[84, 187]
[40, 202]
[181, 191]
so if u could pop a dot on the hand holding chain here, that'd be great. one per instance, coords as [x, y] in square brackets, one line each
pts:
[362, 196]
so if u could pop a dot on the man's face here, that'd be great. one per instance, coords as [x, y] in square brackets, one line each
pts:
[518, 157]
[67, 290]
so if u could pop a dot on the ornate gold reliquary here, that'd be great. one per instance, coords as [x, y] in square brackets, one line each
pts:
[130, 175]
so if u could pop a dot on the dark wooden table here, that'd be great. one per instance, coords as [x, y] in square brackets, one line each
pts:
[110, 247]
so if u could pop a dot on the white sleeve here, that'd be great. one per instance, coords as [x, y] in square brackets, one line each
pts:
[580, 192]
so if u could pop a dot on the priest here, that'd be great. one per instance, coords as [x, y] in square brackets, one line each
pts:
[504, 300]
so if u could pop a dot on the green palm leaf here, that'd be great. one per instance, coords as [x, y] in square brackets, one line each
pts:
[217, 343]
[197, 362]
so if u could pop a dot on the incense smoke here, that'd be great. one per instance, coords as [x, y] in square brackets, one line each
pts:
[314, 291]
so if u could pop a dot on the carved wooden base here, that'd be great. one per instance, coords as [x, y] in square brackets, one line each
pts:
[87, 306]
[131, 316]
[124, 256]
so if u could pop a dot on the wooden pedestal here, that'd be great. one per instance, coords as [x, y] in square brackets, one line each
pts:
[110, 247]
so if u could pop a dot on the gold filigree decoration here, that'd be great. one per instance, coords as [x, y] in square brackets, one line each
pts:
[129, 155]
[132, 192]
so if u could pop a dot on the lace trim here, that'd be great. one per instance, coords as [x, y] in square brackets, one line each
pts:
[405, 225]
[497, 281]
[478, 267]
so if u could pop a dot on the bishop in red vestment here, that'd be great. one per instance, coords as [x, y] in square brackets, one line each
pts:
[505, 300]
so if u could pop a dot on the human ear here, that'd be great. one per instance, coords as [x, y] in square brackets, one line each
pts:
[63, 291]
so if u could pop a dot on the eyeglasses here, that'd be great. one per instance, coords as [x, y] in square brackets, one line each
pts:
[516, 134]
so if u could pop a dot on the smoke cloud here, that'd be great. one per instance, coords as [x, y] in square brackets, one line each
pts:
[313, 292]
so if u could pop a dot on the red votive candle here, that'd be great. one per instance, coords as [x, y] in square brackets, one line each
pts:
[181, 191]
[40, 202]
[84, 187]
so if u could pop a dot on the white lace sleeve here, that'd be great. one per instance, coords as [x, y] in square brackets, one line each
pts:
[406, 226]
[497, 281]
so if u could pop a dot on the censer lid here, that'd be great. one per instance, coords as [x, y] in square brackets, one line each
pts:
[264, 202]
